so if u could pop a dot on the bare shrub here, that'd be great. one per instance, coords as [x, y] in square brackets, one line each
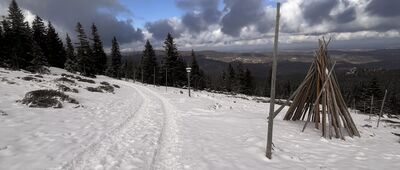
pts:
[67, 75]
[3, 79]
[65, 88]
[63, 79]
[108, 88]
[101, 89]
[46, 98]
[104, 83]
[85, 80]
[29, 78]
[94, 89]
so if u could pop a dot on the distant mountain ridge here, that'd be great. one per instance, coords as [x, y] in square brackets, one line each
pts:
[289, 62]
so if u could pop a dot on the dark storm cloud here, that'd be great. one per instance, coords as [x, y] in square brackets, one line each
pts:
[244, 13]
[197, 22]
[200, 14]
[314, 12]
[346, 16]
[66, 13]
[161, 28]
[317, 11]
[386, 26]
[384, 8]
[197, 4]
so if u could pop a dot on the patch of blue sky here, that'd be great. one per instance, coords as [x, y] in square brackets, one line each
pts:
[143, 11]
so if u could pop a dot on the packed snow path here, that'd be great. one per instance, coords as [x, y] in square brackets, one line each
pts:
[145, 140]
[144, 127]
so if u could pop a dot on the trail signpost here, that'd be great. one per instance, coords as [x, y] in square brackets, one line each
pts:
[188, 70]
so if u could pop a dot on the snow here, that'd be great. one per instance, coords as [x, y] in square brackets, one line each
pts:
[147, 127]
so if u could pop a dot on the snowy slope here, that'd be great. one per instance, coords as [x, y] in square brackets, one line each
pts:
[145, 127]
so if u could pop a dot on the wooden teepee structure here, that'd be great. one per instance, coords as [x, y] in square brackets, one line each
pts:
[318, 99]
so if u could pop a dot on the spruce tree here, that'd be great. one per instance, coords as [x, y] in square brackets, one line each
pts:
[248, 87]
[372, 89]
[39, 34]
[287, 88]
[197, 75]
[39, 61]
[6, 46]
[180, 72]
[99, 56]
[230, 79]
[239, 83]
[149, 62]
[224, 79]
[175, 65]
[359, 95]
[71, 63]
[55, 48]
[267, 87]
[129, 69]
[394, 104]
[84, 53]
[20, 36]
[124, 70]
[115, 65]
[2, 54]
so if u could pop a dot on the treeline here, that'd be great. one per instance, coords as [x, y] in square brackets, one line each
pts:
[234, 79]
[34, 48]
[38, 47]
[362, 86]
[171, 71]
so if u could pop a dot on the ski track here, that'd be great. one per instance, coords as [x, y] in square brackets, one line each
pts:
[147, 139]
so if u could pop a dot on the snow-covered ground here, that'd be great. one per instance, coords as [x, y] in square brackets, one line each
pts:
[147, 127]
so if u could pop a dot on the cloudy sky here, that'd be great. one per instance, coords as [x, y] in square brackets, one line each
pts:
[227, 24]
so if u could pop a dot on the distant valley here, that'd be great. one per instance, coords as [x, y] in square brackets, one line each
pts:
[289, 62]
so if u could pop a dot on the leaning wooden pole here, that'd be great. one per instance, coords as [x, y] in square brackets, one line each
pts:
[273, 81]
[319, 95]
[380, 113]
[372, 106]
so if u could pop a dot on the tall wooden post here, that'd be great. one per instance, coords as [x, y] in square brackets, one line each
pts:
[372, 106]
[380, 113]
[188, 70]
[142, 75]
[154, 76]
[134, 76]
[166, 79]
[365, 111]
[273, 81]
[189, 82]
